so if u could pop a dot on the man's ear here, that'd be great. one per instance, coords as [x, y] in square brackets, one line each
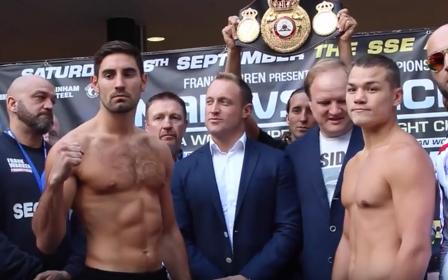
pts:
[146, 125]
[144, 81]
[397, 96]
[94, 83]
[445, 102]
[247, 110]
[11, 104]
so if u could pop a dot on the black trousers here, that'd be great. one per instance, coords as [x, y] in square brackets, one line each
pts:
[89, 273]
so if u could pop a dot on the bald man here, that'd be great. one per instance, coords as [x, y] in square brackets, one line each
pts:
[437, 48]
[29, 105]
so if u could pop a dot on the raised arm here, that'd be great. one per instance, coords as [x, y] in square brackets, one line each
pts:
[233, 65]
[49, 221]
[346, 25]
[174, 254]
[233, 62]
[413, 195]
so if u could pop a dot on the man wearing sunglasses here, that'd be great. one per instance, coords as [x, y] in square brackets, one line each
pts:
[437, 49]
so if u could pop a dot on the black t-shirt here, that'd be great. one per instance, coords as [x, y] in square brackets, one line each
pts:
[19, 192]
[265, 138]
[19, 196]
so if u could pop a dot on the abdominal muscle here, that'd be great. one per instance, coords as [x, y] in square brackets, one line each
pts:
[375, 264]
[123, 230]
[375, 244]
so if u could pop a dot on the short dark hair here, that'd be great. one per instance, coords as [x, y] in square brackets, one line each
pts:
[113, 47]
[170, 96]
[246, 92]
[372, 60]
[288, 104]
[319, 67]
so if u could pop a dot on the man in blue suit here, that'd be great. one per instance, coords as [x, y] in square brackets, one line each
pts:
[235, 200]
[319, 160]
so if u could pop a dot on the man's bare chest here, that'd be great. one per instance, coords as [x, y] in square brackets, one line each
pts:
[120, 167]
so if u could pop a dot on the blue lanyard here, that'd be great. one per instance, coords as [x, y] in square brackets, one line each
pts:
[40, 179]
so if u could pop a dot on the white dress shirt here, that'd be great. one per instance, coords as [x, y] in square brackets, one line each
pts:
[228, 167]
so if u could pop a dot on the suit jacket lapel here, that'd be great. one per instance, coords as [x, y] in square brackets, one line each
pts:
[315, 169]
[205, 167]
[355, 145]
[251, 155]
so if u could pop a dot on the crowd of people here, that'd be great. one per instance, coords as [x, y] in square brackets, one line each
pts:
[345, 194]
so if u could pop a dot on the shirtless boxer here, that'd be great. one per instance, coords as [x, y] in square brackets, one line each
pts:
[116, 177]
[388, 190]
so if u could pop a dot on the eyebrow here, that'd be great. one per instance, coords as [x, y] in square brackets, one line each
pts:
[41, 91]
[438, 51]
[127, 69]
[369, 83]
[46, 93]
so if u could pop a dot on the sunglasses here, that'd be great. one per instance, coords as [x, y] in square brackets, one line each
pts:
[436, 61]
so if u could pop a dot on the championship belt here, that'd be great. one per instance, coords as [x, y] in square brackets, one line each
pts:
[248, 28]
[325, 21]
[285, 26]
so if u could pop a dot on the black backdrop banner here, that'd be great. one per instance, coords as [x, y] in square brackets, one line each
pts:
[272, 79]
